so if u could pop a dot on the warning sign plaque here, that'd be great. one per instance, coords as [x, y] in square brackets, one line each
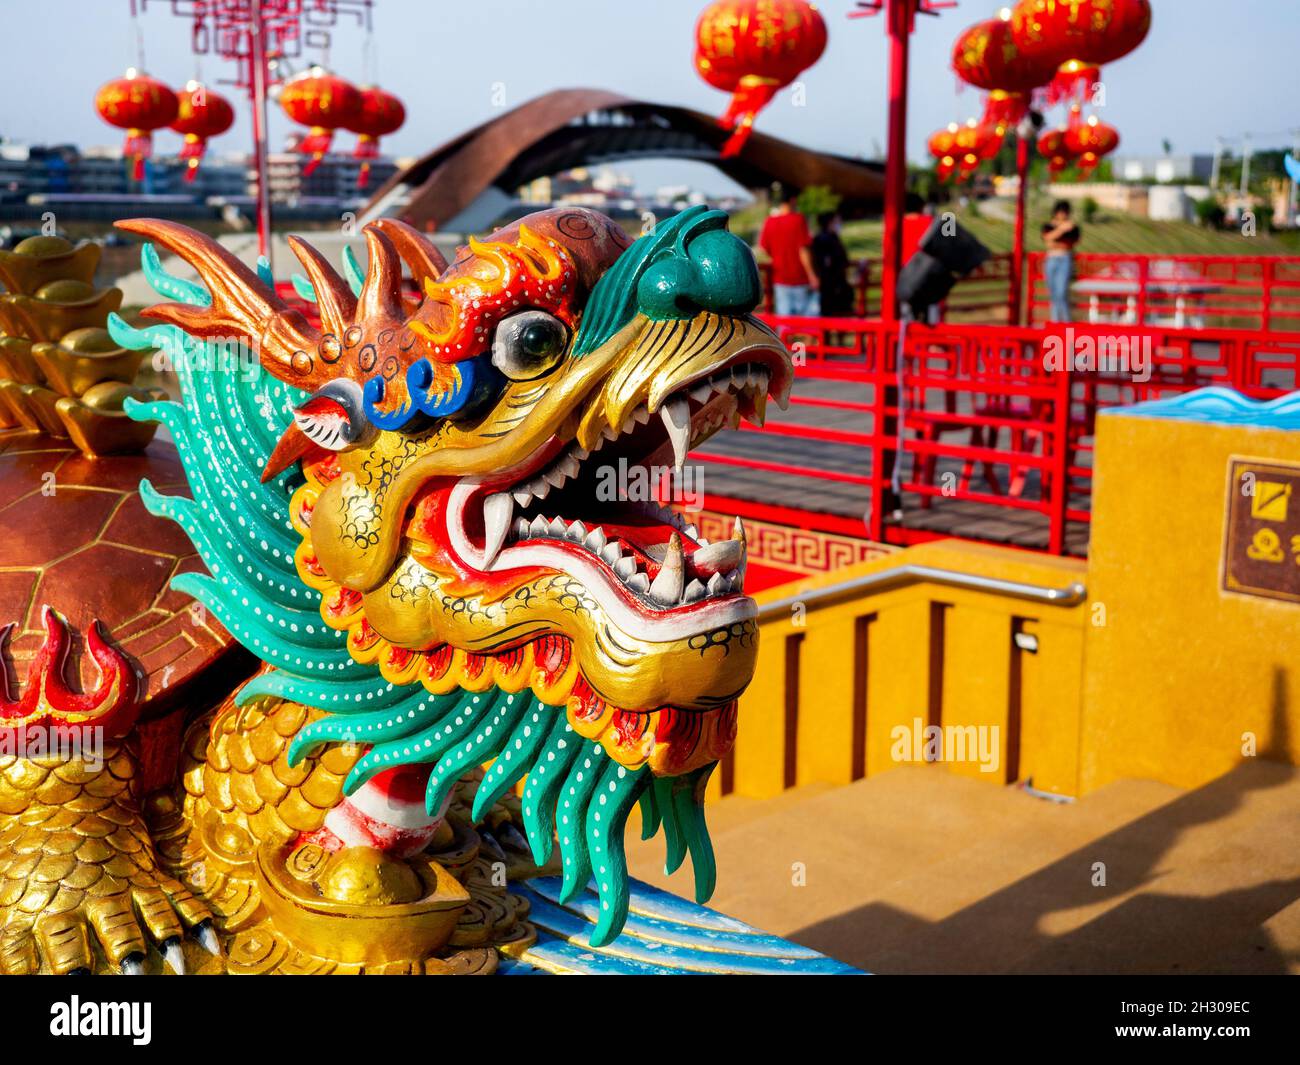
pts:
[1261, 552]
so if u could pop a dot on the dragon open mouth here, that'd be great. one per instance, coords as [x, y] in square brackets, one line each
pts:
[599, 513]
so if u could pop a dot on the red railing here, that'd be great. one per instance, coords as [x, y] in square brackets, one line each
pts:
[1182, 291]
[997, 418]
[981, 296]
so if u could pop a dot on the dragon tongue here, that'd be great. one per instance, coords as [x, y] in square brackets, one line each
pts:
[498, 510]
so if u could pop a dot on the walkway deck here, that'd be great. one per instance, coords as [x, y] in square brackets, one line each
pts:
[920, 870]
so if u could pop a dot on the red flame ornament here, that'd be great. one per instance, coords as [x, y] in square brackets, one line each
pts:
[47, 700]
[752, 49]
[138, 104]
[324, 103]
[381, 113]
[203, 113]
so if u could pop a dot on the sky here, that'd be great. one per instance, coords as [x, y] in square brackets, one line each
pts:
[1209, 68]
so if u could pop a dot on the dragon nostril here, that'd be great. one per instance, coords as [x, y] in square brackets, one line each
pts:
[688, 305]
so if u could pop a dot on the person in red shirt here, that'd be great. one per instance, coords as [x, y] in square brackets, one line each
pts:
[787, 242]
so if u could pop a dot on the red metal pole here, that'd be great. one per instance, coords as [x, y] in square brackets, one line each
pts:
[257, 58]
[901, 16]
[1018, 245]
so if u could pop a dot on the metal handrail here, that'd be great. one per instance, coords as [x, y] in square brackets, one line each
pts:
[1071, 595]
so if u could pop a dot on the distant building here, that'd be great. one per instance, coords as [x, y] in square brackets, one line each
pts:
[96, 184]
[1168, 169]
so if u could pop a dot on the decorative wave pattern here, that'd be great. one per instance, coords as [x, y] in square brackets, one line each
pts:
[665, 935]
[1223, 406]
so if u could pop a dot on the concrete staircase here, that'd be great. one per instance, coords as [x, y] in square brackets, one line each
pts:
[921, 870]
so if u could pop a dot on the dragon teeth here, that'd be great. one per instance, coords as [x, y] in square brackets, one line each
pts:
[577, 532]
[716, 585]
[538, 527]
[671, 578]
[638, 582]
[611, 553]
[695, 590]
[724, 555]
[595, 541]
[676, 415]
[625, 567]
[498, 510]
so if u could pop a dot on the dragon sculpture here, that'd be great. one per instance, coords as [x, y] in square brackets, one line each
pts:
[477, 659]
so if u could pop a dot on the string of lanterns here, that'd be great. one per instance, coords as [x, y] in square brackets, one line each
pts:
[1041, 53]
[315, 98]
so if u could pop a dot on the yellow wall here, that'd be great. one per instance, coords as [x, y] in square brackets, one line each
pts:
[1157, 674]
[925, 651]
[1180, 669]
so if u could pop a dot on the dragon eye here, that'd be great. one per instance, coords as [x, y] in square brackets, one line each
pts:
[333, 417]
[528, 345]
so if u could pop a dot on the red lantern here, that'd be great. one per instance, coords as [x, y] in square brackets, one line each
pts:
[974, 142]
[1081, 35]
[988, 57]
[381, 113]
[943, 146]
[752, 48]
[1096, 31]
[138, 104]
[203, 113]
[1052, 146]
[324, 102]
[1089, 141]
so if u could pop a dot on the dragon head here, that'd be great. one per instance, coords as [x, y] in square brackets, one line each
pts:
[484, 462]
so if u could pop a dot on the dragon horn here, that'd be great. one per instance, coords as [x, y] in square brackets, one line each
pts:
[422, 258]
[381, 294]
[338, 307]
[242, 305]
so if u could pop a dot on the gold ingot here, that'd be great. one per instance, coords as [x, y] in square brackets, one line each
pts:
[358, 932]
[83, 358]
[98, 426]
[17, 363]
[46, 320]
[37, 261]
[33, 406]
[367, 875]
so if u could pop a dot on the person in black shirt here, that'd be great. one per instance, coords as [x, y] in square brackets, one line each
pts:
[831, 264]
[1060, 235]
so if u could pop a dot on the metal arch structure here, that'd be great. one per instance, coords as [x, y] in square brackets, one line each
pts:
[583, 127]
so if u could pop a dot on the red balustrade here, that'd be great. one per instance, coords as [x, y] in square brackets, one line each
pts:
[994, 415]
[1179, 291]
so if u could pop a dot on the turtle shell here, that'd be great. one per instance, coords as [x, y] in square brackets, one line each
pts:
[74, 534]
